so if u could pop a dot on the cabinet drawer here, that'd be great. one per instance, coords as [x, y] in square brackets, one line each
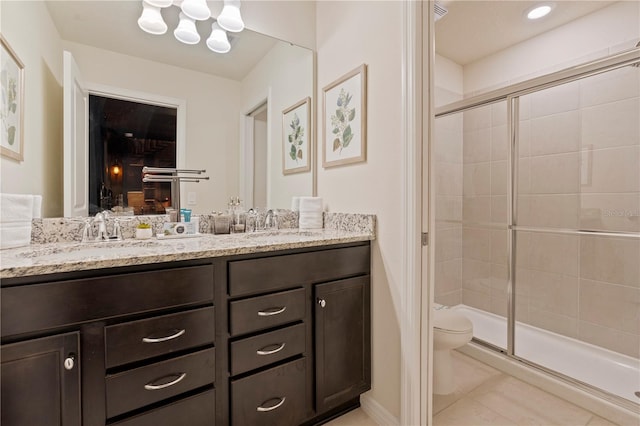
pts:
[258, 313]
[136, 388]
[273, 397]
[57, 304]
[254, 276]
[198, 410]
[138, 340]
[258, 351]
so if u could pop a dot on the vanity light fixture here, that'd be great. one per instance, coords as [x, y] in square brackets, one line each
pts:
[186, 30]
[151, 20]
[230, 18]
[191, 11]
[218, 41]
[538, 11]
[196, 9]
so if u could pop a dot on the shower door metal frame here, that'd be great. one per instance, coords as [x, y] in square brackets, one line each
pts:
[511, 95]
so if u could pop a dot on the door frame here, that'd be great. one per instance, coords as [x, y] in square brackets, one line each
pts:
[417, 272]
[247, 143]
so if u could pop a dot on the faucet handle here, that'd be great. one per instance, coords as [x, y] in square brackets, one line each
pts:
[117, 233]
[87, 232]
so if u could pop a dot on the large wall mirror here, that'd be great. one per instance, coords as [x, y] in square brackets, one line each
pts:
[229, 106]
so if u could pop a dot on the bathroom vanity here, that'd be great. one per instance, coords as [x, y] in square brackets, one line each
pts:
[271, 331]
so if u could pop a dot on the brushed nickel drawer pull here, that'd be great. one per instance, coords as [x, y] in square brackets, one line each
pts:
[163, 339]
[271, 352]
[272, 311]
[278, 405]
[151, 386]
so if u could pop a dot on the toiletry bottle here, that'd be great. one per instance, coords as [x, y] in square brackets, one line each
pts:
[240, 217]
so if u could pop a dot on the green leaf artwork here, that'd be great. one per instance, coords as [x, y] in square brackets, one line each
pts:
[340, 121]
[295, 138]
[9, 104]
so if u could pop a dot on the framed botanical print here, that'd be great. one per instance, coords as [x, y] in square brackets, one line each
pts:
[296, 143]
[12, 106]
[345, 119]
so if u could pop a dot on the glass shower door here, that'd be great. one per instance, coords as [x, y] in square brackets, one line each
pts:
[577, 230]
[471, 259]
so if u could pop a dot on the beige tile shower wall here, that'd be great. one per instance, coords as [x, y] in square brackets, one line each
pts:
[579, 168]
[484, 236]
[448, 187]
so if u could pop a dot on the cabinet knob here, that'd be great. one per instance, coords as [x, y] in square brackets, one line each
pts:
[322, 302]
[69, 362]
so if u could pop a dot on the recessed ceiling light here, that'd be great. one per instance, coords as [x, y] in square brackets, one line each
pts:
[539, 11]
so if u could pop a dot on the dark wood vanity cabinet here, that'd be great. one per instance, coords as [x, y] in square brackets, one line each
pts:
[294, 360]
[287, 341]
[40, 382]
[125, 346]
[342, 341]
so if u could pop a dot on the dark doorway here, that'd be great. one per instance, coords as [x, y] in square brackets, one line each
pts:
[125, 136]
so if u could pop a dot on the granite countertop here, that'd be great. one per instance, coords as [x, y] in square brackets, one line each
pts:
[41, 259]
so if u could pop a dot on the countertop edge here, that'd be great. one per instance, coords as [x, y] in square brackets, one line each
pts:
[178, 252]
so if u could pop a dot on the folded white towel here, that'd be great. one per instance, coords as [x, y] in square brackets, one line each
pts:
[37, 207]
[310, 220]
[295, 204]
[310, 225]
[15, 234]
[311, 204]
[16, 208]
[16, 213]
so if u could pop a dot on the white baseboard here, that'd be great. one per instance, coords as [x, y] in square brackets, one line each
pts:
[377, 412]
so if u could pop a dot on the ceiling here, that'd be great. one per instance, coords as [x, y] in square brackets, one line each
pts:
[474, 29]
[112, 25]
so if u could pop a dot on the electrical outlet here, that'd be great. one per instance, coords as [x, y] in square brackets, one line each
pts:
[191, 198]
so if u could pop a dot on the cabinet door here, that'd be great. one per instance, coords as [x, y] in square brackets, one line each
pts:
[343, 341]
[40, 382]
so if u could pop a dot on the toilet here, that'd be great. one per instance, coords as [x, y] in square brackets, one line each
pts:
[451, 330]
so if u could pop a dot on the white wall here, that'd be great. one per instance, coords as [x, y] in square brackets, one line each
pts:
[212, 125]
[293, 21]
[350, 33]
[449, 81]
[39, 47]
[285, 86]
[596, 35]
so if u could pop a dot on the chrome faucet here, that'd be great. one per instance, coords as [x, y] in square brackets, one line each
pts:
[103, 234]
[87, 232]
[271, 220]
[102, 227]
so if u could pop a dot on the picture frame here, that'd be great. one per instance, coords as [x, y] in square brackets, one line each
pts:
[11, 103]
[344, 113]
[296, 137]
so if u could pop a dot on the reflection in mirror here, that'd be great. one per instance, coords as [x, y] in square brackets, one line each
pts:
[217, 92]
[124, 137]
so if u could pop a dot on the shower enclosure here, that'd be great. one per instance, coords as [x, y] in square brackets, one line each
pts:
[538, 221]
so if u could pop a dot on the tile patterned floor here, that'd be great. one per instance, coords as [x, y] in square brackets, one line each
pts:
[486, 396]
[353, 418]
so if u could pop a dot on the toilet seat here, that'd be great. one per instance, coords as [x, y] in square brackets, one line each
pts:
[448, 321]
